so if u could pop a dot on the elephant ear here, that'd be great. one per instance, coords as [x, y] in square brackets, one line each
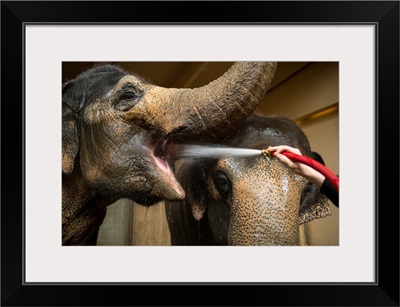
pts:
[314, 204]
[70, 142]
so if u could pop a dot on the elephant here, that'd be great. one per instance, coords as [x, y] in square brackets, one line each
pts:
[252, 200]
[115, 125]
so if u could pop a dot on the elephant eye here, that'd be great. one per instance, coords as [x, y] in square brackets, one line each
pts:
[222, 184]
[128, 96]
[127, 99]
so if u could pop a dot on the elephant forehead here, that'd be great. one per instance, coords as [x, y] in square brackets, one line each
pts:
[125, 80]
[266, 181]
[268, 177]
[255, 168]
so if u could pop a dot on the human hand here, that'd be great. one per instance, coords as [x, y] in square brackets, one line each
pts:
[297, 167]
[282, 148]
[278, 150]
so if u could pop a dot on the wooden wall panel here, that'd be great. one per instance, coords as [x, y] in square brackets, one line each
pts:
[150, 225]
[116, 228]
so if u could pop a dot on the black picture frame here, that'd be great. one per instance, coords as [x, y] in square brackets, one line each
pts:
[383, 14]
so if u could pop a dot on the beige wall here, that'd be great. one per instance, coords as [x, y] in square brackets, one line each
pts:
[312, 88]
[323, 135]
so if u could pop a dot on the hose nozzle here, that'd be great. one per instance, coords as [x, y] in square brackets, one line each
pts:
[267, 154]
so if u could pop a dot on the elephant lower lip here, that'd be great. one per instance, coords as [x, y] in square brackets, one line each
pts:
[167, 186]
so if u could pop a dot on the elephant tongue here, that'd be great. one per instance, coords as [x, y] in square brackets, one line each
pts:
[168, 187]
[162, 164]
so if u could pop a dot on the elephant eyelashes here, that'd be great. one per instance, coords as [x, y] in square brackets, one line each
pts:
[222, 184]
[129, 96]
[128, 99]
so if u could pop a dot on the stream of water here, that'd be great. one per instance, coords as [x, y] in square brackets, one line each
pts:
[184, 151]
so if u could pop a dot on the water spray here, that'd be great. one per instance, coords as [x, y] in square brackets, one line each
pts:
[180, 151]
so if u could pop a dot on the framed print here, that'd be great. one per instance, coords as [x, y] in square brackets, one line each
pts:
[342, 55]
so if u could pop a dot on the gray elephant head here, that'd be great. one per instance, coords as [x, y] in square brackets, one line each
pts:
[115, 125]
[246, 200]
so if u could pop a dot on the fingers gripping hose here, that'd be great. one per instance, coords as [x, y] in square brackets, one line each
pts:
[329, 175]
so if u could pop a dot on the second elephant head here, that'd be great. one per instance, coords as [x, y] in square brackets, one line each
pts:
[246, 200]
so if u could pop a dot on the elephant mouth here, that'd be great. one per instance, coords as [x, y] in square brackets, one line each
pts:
[168, 185]
[164, 157]
[160, 154]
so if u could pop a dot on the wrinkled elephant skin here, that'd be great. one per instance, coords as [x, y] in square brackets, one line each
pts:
[246, 200]
[116, 124]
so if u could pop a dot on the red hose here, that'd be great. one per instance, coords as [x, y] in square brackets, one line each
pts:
[329, 175]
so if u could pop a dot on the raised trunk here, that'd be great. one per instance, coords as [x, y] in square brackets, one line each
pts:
[211, 111]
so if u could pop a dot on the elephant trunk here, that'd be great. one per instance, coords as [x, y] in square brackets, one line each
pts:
[279, 230]
[265, 206]
[217, 107]
[208, 113]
